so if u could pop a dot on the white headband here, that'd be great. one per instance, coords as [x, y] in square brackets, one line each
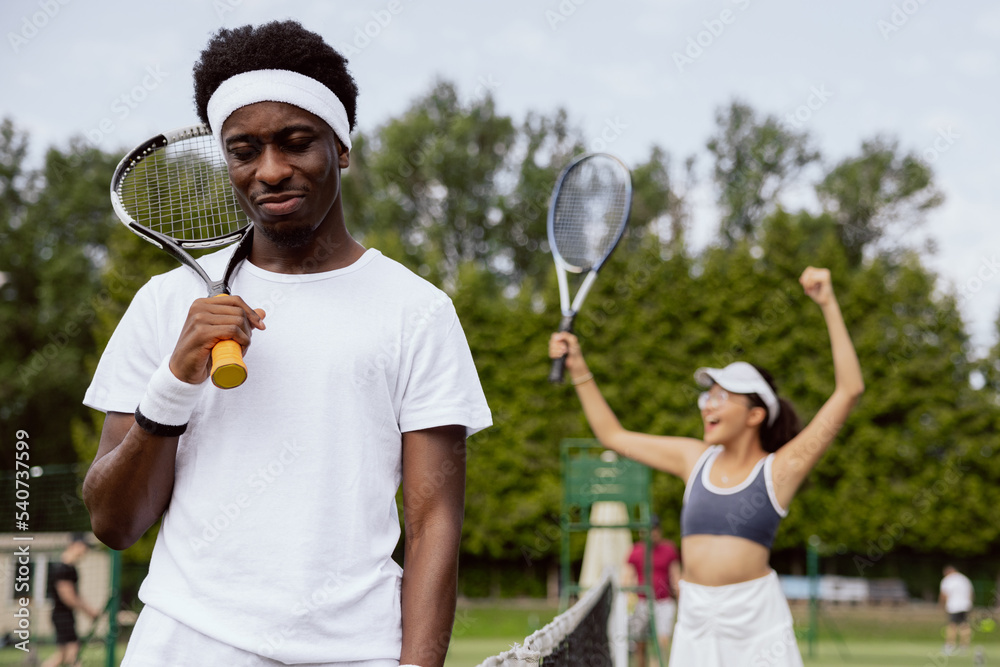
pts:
[278, 85]
[741, 378]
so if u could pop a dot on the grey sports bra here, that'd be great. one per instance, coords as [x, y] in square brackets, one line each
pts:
[748, 510]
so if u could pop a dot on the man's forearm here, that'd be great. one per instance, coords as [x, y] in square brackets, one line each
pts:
[430, 586]
[433, 509]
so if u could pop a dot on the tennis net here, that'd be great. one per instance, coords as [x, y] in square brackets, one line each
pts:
[588, 634]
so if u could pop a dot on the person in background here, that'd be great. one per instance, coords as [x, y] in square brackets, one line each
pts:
[754, 454]
[956, 596]
[666, 573]
[63, 580]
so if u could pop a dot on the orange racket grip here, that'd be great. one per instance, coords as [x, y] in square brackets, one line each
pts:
[228, 369]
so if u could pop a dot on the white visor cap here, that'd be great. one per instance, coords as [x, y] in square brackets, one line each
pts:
[740, 377]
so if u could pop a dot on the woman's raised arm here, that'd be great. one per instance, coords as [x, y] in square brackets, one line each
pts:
[795, 460]
[674, 455]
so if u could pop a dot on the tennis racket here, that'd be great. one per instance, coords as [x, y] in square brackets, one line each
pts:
[587, 217]
[85, 641]
[174, 191]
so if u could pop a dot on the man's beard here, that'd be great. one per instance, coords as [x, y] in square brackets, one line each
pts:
[296, 237]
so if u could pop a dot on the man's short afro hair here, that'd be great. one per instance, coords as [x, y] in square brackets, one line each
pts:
[276, 45]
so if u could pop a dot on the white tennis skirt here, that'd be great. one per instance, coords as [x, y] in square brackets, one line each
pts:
[740, 625]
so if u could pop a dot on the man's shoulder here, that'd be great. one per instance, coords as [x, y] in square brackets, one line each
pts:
[399, 271]
[62, 571]
[214, 263]
[183, 280]
[403, 285]
[956, 579]
[181, 274]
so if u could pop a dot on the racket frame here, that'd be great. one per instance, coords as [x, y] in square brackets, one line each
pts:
[568, 308]
[178, 247]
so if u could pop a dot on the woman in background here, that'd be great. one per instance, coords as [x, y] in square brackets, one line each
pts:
[740, 480]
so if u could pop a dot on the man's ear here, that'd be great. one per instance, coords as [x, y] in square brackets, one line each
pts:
[343, 155]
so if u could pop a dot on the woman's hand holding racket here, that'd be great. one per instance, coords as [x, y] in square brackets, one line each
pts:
[565, 345]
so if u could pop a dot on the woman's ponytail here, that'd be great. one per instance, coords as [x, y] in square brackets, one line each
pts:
[785, 427]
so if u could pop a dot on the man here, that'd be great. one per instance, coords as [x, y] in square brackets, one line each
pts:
[63, 580]
[278, 497]
[666, 573]
[956, 595]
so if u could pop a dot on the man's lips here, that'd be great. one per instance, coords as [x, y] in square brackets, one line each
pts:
[279, 204]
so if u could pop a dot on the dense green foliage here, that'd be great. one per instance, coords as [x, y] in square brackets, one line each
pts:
[54, 225]
[459, 193]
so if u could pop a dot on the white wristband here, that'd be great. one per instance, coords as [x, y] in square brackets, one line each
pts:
[168, 402]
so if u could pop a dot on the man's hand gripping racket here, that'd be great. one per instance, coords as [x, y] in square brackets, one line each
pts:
[174, 191]
[587, 217]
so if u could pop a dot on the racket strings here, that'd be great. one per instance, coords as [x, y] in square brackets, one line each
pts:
[589, 211]
[182, 190]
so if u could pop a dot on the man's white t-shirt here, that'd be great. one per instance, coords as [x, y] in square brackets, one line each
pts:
[279, 534]
[958, 593]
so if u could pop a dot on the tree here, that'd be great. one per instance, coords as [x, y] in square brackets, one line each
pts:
[868, 193]
[451, 181]
[431, 180]
[54, 224]
[545, 146]
[660, 198]
[754, 160]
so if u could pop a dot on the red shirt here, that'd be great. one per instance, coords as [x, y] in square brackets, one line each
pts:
[664, 553]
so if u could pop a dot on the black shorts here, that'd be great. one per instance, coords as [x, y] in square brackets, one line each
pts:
[65, 626]
[959, 617]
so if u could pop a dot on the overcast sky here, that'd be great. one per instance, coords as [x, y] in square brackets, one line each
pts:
[631, 73]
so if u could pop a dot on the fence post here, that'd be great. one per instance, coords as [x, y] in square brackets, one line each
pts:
[113, 606]
[812, 567]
